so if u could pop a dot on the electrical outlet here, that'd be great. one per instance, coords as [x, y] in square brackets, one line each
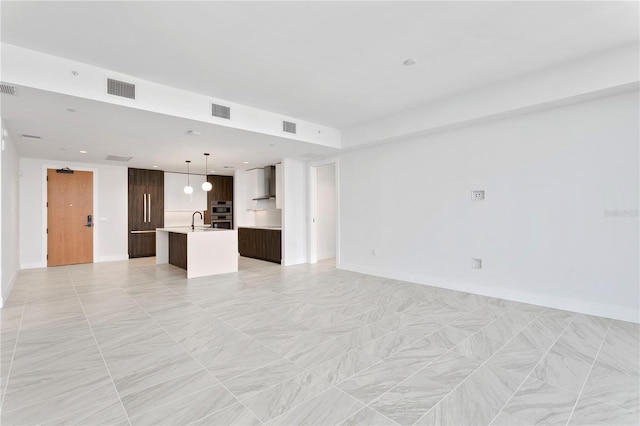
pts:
[477, 195]
[476, 263]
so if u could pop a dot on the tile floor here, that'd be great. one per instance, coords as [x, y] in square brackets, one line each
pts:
[135, 343]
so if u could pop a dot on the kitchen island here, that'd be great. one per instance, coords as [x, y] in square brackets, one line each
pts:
[201, 251]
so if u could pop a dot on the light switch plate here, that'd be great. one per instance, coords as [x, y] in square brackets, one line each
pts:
[476, 263]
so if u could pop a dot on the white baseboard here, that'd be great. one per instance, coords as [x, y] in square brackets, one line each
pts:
[546, 300]
[33, 265]
[114, 258]
[327, 255]
[7, 292]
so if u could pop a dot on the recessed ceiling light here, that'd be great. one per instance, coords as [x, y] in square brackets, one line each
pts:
[83, 152]
[410, 62]
[212, 171]
[194, 133]
[272, 144]
[245, 162]
[63, 149]
[75, 73]
[155, 167]
[71, 110]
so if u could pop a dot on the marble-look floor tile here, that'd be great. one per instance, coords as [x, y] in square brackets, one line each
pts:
[478, 346]
[448, 337]
[26, 385]
[146, 399]
[281, 398]
[352, 362]
[379, 378]
[412, 398]
[173, 368]
[330, 349]
[89, 397]
[367, 417]
[369, 334]
[187, 410]
[506, 419]
[227, 352]
[538, 402]
[232, 415]
[456, 410]
[613, 387]
[111, 414]
[516, 357]
[260, 379]
[243, 363]
[562, 372]
[592, 412]
[328, 408]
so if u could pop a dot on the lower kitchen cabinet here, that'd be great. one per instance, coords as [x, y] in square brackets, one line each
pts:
[260, 243]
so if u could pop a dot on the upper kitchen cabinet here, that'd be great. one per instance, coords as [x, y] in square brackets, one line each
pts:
[255, 188]
[146, 210]
[175, 197]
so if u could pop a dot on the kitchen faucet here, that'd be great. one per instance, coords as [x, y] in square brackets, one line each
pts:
[193, 218]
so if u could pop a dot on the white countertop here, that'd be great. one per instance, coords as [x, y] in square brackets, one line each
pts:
[271, 228]
[188, 230]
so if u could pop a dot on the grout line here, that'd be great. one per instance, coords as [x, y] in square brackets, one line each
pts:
[100, 351]
[536, 366]
[589, 373]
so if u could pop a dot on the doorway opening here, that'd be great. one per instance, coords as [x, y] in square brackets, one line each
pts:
[69, 217]
[324, 209]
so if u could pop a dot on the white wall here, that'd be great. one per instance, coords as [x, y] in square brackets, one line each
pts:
[9, 215]
[110, 202]
[545, 232]
[294, 212]
[326, 211]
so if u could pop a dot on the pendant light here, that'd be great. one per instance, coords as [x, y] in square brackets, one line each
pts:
[188, 189]
[206, 185]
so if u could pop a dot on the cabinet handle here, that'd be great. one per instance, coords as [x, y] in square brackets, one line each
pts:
[144, 219]
[149, 208]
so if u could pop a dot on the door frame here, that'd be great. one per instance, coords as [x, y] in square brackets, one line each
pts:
[45, 217]
[313, 207]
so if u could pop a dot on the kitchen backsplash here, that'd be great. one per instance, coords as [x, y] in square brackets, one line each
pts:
[172, 218]
[270, 216]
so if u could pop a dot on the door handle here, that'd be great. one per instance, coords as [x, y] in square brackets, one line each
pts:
[89, 221]
[144, 217]
[149, 210]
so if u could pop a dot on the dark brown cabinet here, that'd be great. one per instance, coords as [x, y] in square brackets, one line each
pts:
[146, 210]
[264, 244]
[222, 191]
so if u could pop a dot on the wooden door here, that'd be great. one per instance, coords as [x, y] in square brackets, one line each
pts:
[69, 205]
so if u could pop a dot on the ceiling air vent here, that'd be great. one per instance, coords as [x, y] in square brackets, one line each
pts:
[221, 111]
[117, 158]
[120, 88]
[8, 89]
[288, 127]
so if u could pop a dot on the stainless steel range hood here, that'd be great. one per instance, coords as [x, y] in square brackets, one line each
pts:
[269, 184]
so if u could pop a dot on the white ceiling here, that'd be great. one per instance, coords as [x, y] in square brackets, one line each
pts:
[152, 139]
[334, 63]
